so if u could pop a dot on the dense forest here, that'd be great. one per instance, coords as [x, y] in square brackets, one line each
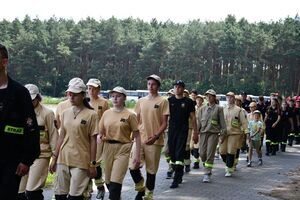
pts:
[230, 55]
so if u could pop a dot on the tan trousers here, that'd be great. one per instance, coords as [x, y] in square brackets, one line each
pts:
[70, 180]
[230, 144]
[36, 178]
[116, 159]
[207, 149]
[150, 155]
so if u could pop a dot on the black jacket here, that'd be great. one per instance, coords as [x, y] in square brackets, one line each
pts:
[19, 133]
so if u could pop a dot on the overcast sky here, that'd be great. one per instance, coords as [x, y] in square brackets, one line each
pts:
[176, 10]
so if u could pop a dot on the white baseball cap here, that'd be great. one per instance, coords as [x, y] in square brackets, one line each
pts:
[94, 82]
[33, 90]
[76, 85]
[119, 90]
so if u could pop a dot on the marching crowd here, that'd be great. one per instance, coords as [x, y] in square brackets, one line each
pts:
[86, 142]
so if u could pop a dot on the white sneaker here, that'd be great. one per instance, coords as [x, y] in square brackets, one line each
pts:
[228, 174]
[206, 179]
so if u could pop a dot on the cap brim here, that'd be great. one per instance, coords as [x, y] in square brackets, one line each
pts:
[209, 93]
[93, 84]
[73, 90]
[112, 91]
[33, 96]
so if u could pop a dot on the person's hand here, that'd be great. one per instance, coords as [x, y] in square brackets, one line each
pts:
[92, 173]
[99, 139]
[137, 161]
[196, 137]
[151, 140]
[222, 139]
[22, 169]
[52, 166]
[274, 125]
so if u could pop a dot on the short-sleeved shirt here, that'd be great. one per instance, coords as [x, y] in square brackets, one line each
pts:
[100, 105]
[48, 132]
[151, 111]
[180, 110]
[75, 149]
[118, 126]
[62, 106]
[253, 127]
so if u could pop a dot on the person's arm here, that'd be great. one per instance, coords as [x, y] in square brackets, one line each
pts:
[31, 136]
[194, 124]
[222, 125]
[52, 167]
[277, 121]
[292, 123]
[137, 158]
[159, 132]
[93, 149]
[52, 131]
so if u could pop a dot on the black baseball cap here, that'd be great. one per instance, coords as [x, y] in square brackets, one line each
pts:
[179, 82]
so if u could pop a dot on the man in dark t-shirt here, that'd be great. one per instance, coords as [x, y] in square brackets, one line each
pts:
[181, 109]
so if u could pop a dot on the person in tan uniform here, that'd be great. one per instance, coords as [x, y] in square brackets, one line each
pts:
[100, 105]
[193, 146]
[32, 184]
[211, 125]
[115, 129]
[74, 160]
[62, 106]
[236, 125]
[238, 102]
[152, 114]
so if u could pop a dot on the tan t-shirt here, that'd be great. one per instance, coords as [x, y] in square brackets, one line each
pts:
[75, 149]
[235, 120]
[48, 132]
[100, 105]
[61, 107]
[118, 125]
[151, 111]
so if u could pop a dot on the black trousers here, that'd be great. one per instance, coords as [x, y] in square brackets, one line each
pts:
[177, 142]
[9, 181]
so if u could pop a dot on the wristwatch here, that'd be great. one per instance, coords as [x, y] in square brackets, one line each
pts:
[93, 163]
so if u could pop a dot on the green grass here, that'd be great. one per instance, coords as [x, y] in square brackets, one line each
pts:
[51, 100]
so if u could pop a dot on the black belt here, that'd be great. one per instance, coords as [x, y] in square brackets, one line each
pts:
[113, 141]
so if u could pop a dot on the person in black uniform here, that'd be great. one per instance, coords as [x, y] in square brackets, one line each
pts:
[286, 123]
[19, 133]
[261, 106]
[245, 102]
[272, 120]
[293, 132]
[181, 109]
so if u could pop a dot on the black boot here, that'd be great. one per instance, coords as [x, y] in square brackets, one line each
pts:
[21, 196]
[290, 139]
[100, 192]
[223, 156]
[282, 147]
[115, 191]
[61, 197]
[196, 165]
[273, 150]
[35, 195]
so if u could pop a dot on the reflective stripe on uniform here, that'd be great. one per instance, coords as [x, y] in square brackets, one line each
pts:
[179, 163]
[208, 165]
[268, 141]
[291, 134]
[14, 130]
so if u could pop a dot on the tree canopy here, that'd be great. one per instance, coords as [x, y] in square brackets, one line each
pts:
[228, 55]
